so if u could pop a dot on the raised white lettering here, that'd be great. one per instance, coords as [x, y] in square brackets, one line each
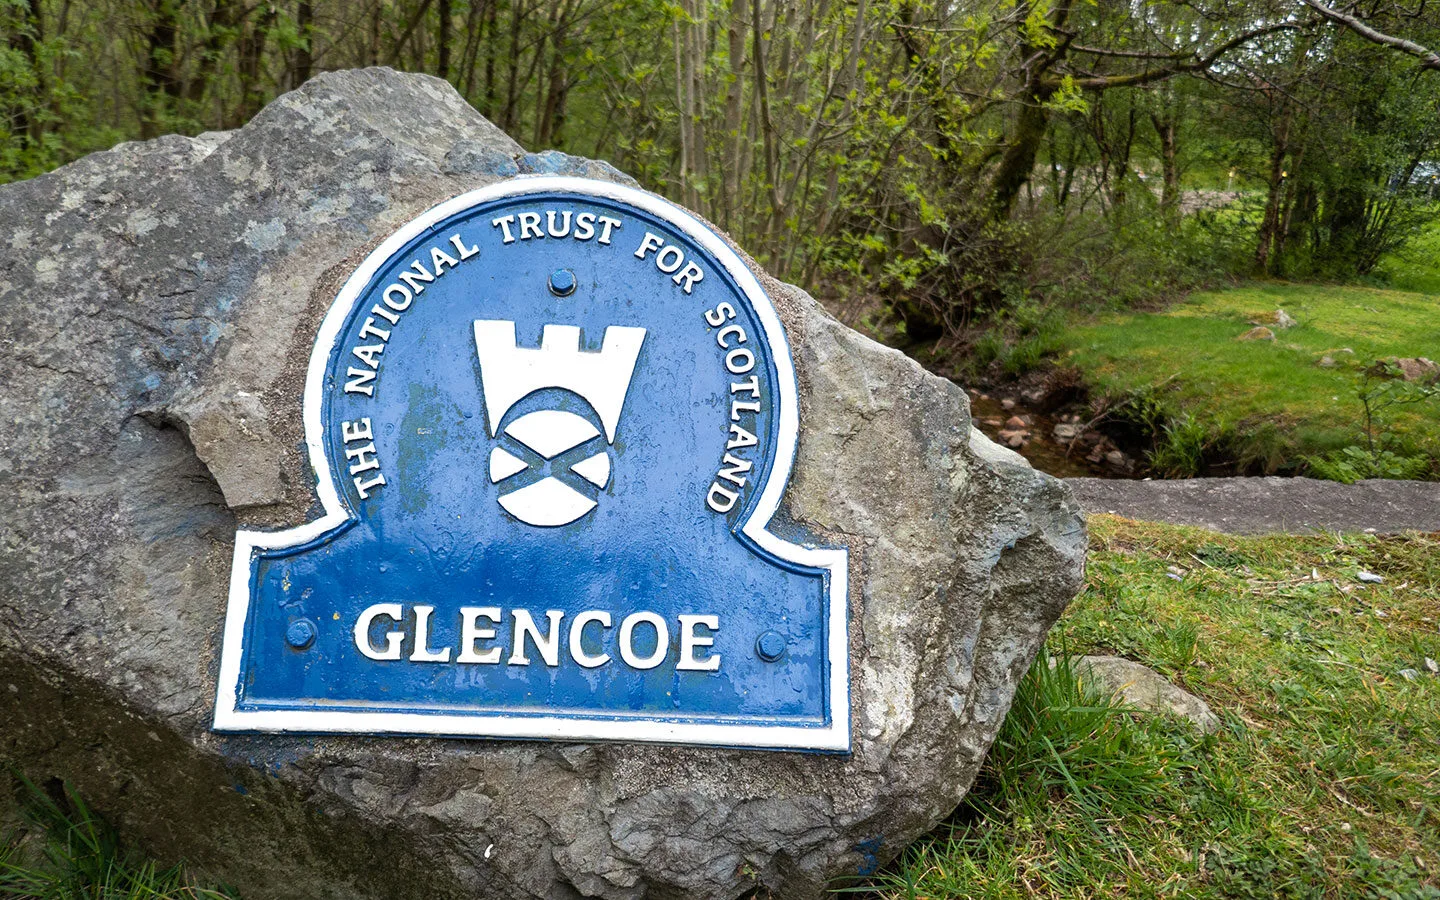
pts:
[530, 226]
[687, 277]
[356, 431]
[470, 632]
[751, 385]
[359, 382]
[422, 651]
[577, 636]
[720, 336]
[736, 368]
[717, 316]
[550, 224]
[367, 353]
[420, 274]
[548, 645]
[739, 406]
[584, 226]
[369, 330]
[721, 499]
[460, 248]
[732, 468]
[689, 641]
[607, 223]
[650, 242]
[397, 289]
[674, 254]
[439, 259]
[393, 639]
[363, 488]
[627, 642]
[739, 437]
[379, 310]
[363, 464]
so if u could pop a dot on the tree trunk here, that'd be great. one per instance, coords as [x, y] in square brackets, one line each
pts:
[552, 111]
[1169, 169]
[1023, 146]
[373, 55]
[224, 19]
[512, 87]
[469, 54]
[304, 53]
[492, 14]
[1270, 221]
[158, 74]
[442, 39]
[732, 174]
[25, 39]
[250, 67]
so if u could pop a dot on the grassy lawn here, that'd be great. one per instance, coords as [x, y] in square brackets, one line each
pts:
[1417, 267]
[1271, 400]
[1324, 780]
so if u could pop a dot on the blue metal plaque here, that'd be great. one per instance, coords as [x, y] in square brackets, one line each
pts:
[550, 422]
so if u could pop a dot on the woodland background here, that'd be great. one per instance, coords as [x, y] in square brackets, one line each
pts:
[958, 161]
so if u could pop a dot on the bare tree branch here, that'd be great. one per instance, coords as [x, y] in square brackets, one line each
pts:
[1429, 59]
[1197, 64]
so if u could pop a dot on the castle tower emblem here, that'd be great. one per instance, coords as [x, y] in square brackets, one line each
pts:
[558, 458]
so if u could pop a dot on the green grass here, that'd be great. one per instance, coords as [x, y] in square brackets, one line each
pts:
[1417, 267]
[59, 849]
[1323, 781]
[1270, 400]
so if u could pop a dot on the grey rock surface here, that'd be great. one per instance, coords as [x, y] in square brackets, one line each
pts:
[157, 306]
[1145, 689]
[1268, 505]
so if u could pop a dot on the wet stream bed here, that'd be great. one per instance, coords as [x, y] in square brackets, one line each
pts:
[1056, 442]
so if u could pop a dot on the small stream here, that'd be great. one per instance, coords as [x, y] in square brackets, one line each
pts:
[1040, 446]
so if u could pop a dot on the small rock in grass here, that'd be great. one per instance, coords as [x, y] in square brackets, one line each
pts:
[1326, 362]
[1369, 577]
[1432, 666]
[1277, 319]
[1258, 333]
[1417, 368]
[1145, 689]
[1409, 674]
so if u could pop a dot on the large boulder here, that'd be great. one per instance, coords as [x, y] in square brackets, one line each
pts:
[158, 302]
